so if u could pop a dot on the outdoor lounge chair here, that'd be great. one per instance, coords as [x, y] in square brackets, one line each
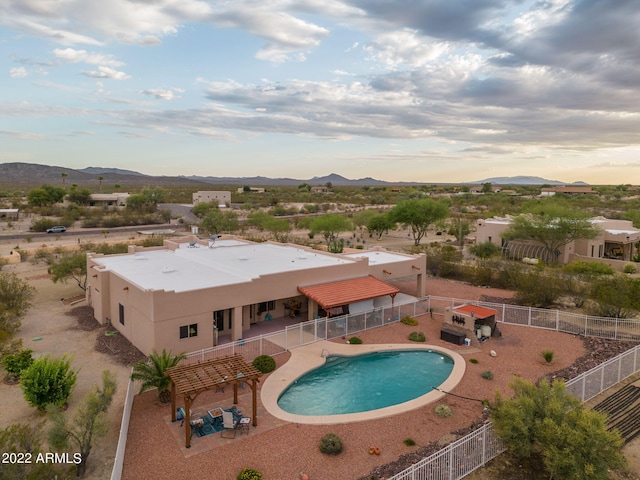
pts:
[229, 424]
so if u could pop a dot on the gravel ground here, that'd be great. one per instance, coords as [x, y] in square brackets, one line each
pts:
[287, 450]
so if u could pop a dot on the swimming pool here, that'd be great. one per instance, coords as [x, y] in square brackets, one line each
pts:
[365, 382]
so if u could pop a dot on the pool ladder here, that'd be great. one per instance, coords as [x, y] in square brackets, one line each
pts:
[325, 353]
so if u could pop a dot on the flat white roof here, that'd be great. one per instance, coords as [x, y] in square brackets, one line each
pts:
[187, 269]
[379, 258]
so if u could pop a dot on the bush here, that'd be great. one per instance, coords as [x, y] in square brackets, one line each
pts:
[417, 337]
[474, 360]
[48, 381]
[547, 355]
[443, 411]
[331, 444]
[355, 341]
[249, 474]
[629, 268]
[409, 442]
[264, 363]
[487, 375]
[409, 321]
[15, 363]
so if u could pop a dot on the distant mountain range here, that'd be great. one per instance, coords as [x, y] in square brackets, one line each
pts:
[29, 174]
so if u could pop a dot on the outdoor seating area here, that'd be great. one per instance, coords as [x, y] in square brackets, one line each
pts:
[216, 419]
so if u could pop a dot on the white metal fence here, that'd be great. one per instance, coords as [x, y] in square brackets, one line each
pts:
[465, 455]
[116, 471]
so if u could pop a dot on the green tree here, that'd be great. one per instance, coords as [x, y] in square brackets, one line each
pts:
[48, 381]
[201, 209]
[81, 197]
[616, 296]
[280, 228]
[544, 421]
[16, 297]
[484, 250]
[258, 219]
[459, 228]
[89, 421]
[380, 224]
[419, 214]
[218, 221]
[578, 277]
[330, 226]
[15, 363]
[152, 373]
[553, 225]
[70, 267]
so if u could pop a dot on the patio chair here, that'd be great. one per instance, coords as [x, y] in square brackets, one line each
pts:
[229, 424]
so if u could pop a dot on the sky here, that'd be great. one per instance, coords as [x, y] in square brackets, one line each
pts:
[411, 90]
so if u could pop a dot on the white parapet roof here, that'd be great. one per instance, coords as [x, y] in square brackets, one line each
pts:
[377, 257]
[187, 269]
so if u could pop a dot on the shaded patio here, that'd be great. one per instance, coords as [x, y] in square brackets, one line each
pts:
[190, 380]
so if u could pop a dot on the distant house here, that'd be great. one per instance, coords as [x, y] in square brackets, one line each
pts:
[319, 189]
[615, 243]
[108, 199]
[10, 213]
[252, 190]
[547, 192]
[217, 197]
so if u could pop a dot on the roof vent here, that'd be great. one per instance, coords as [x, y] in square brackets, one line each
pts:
[168, 269]
[139, 257]
[244, 259]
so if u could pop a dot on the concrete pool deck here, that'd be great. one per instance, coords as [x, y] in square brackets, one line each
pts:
[308, 357]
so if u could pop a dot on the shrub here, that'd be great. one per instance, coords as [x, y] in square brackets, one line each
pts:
[409, 321]
[547, 355]
[629, 268]
[409, 442]
[487, 375]
[331, 444]
[48, 381]
[249, 474]
[417, 337]
[355, 340]
[264, 363]
[473, 360]
[443, 411]
[15, 363]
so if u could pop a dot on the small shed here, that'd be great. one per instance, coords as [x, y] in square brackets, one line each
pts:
[10, 213]
[479, 321]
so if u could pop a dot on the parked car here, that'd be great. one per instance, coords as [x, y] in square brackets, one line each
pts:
[57, 229]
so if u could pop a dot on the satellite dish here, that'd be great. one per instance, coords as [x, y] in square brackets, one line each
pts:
[213, 238]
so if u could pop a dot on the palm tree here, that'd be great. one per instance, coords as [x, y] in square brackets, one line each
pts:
[100, 179]
[152, 373]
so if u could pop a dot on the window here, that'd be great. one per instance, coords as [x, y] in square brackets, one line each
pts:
[266, 306]
[187, 331]
[121, 313]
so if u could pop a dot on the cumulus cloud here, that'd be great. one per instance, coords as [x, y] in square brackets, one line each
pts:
[107, 73]
[163, 94]
[71, 55]
[18, 72]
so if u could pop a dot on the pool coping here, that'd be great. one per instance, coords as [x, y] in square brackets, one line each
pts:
[308, 357]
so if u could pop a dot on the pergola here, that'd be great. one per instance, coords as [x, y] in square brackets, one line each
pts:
[190, 380]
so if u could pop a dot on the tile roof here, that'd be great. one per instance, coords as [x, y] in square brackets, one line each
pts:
[343, 292]
[477, 312]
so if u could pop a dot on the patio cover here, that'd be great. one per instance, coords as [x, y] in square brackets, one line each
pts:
[476, 311]
[344, 292]
[190, 380]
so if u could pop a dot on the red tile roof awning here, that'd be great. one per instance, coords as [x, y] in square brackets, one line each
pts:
[475, 311]
[343, 292]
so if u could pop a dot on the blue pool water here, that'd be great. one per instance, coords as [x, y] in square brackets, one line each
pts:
[366, 382]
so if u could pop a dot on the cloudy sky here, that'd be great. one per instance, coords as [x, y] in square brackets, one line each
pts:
[407, 90]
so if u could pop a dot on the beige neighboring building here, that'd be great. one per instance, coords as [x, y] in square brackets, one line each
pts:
[180, 296]
[219, 198]
[252, 190]
[118, 199]
[550, 191]
[615, 245]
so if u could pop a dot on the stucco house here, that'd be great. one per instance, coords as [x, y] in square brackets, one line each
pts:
[220, 198]
[616, 245]
[117, 199]
[181, 295]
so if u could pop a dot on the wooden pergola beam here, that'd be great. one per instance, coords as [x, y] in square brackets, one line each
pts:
[190, 380]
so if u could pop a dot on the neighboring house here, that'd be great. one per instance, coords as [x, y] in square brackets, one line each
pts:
[10, 213]
[252, 190]
[219, 198]
[547, 192]
[108, 199]
[178, 297]
[319, 189]
[616, 242]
